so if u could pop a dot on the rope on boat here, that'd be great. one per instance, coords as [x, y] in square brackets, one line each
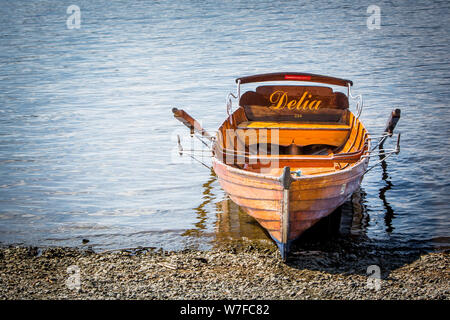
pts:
[386, 153]
[189, 152]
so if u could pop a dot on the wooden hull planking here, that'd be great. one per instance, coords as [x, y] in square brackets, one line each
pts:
[310, 198]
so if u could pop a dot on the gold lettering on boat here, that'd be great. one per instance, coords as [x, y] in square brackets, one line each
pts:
[280, 100]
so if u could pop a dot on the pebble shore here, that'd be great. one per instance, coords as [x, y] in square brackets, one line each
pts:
[237, 270]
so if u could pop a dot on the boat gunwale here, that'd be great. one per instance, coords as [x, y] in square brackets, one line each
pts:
[313, 186]
[302, 177]
[300, 128]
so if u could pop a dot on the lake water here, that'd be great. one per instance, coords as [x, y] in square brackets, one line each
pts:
[88, 140]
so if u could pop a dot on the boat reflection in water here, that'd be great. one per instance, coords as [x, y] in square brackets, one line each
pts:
[209, 197]
[389, 215]
[350, 219]
[232, 223]
[353, 216]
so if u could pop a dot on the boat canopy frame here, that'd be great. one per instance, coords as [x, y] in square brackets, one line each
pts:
[293, 76]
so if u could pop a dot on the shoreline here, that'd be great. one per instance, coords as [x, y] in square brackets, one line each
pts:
[235, 270]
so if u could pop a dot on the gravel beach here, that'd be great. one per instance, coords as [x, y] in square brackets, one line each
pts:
[236, 270]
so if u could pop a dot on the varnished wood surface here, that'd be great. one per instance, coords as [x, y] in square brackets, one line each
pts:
[292, 125]
[318, 183]
[302, 103]
[256, 112]
[294, 76]
[190, 122]
[311, 197]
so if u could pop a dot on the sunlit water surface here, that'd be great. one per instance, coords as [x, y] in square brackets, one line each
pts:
[88, 141]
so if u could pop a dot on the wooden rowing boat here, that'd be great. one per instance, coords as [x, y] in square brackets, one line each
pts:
[289, 155]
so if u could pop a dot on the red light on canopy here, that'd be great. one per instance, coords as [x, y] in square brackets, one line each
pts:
[297, 77]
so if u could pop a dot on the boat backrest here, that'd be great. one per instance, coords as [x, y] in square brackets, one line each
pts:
[295, 103]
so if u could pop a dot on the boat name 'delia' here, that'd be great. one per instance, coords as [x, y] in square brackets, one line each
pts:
[280, 100]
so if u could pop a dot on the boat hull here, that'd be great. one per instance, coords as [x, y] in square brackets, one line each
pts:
[287, 213]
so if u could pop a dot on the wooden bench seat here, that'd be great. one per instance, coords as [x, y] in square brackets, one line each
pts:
[292, 125]
[301, 134]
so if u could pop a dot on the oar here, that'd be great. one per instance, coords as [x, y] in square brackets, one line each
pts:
[392, 122]
[191, 123]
